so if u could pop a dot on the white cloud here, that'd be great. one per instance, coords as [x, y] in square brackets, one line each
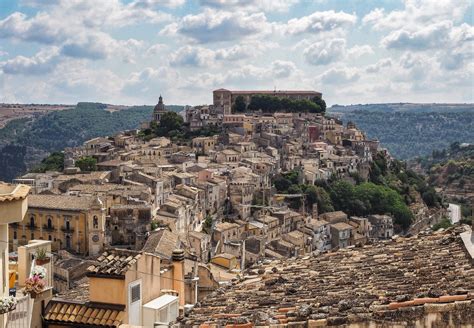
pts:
[265, 5]
[244, 50]
[431, 36]
[214, 26]
[283, 69]
[381, 64]
[417, 14]
[156, 49]
[321, 21]
[192, 56]
[360, 50]
[43, 62]
[325, 52]
[340, 75]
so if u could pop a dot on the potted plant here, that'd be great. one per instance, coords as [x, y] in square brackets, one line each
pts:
[34, 285]
[38, 271]
[7, 304]
[41, 256]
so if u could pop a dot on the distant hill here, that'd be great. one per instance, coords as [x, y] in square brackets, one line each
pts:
[412, 130]
[24, 142]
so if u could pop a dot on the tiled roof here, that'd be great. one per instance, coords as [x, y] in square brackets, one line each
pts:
[61, 202]
[394, 281]
[114, 262]
[9, 192]
[162, 243]
[70, 313]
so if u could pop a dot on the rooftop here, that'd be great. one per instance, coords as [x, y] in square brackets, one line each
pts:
[114, 262]
[61, 202]
[10, 192]
[398, 280]
[83, 315]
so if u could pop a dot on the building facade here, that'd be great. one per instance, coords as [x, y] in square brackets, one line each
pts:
[224, 98]
[76, 224]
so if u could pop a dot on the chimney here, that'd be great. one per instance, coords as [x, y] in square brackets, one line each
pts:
[178, 274]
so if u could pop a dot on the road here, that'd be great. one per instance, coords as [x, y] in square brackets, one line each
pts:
[454, 212]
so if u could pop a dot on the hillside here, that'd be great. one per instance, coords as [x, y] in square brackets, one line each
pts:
[452, 171]
[412, 130]
[24, 142]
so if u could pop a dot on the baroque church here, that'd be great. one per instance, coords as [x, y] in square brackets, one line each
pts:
[158, 110]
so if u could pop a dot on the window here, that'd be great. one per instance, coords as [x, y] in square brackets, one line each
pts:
[14, 235]
[49, 237]
[32, 236]
[95, 222]
[32, 222]
[50, 223]
[135, 293]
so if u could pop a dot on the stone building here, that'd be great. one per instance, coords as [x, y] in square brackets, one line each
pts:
[224, 98]
[76, 224]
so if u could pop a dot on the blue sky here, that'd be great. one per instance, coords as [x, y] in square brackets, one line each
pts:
[130, 51]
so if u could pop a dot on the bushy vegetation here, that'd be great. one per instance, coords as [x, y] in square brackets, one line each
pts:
[271, 104]
[444, 224]
[172, 126]
[87, 164]
[54, 162]
[414, 132]
[390, 189]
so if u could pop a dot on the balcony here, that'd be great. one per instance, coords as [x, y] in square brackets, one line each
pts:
[31, 227]
[48, 228]
[67, 229]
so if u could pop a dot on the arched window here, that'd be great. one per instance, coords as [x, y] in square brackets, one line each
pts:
[49, 237]
[95, 222]
[50, 223]
[14, 235]
[32, 221]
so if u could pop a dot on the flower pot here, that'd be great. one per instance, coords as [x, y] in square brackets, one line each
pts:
[43, 261]
[11, 308]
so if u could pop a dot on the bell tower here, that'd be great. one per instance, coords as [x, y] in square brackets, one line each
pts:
[158, 110]
[96, 227]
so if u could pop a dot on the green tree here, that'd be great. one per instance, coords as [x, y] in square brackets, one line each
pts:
[282, 184]
[54, 162]
[321, 104]
[170, 125]
[207, 224]
[239, 105]
[87, 164]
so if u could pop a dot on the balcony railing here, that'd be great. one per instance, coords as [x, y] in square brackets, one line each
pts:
[67, 229]
[31, 226]
[48, 228]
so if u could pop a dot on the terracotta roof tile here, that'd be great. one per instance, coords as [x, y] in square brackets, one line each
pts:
[10, 192]
[59, 312]
[114, 262]
[391, 282]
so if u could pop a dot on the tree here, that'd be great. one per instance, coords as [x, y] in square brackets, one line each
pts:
[321, 103]
[170, 121]
[239, 105]
[282, 184]
[54, 162]
[207, 224]
[87, 163]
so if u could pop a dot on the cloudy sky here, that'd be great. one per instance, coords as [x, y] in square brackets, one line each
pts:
[130, 51]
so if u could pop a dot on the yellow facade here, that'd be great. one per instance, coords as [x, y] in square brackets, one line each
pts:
[65, 229]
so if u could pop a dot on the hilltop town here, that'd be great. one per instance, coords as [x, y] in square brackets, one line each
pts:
[235, 214]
